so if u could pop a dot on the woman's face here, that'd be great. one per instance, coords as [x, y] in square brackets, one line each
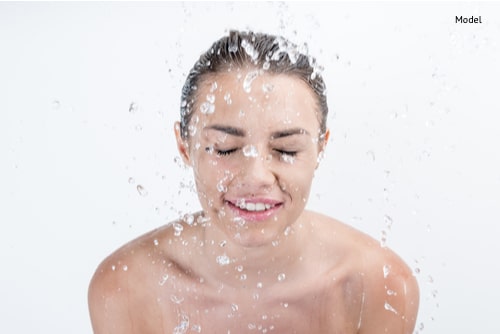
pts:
[253, 146]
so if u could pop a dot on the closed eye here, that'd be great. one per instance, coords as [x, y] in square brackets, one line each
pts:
[285, 152]
[225, 152]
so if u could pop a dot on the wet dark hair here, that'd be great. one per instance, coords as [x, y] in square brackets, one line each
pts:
[273, 54]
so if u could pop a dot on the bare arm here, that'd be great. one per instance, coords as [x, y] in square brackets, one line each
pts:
[391, 306]
[108, 304]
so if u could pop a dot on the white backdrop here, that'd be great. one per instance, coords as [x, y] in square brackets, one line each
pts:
[89, 93]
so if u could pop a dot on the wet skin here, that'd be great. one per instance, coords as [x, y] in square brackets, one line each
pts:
[254, 260]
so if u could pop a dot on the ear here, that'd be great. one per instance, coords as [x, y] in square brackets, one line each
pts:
[182, 144]
[326, 137]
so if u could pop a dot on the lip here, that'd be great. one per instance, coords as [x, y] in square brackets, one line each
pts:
[255, 215]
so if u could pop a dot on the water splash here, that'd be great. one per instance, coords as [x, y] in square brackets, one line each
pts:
[267, 87]
[163, 279]
[386, 269]
[188, 219]
[133, 107]
[289, 159]
[227, 98]
[141, 190]
[213, 87]
[178, 228]
[250, 151]
[249, 49]
[175, 299]
[183, 325]
[207, 108]
[389, 307]
[211, 98]
[223, 260]
[249, 78]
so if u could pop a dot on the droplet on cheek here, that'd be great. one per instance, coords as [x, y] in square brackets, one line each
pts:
[287, 159]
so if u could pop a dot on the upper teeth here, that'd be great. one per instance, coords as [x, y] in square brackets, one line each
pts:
[254, 206]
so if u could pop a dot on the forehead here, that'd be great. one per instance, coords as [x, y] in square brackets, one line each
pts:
[246, 94]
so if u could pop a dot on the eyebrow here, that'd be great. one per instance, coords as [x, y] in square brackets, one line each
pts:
[289, 132]
[231, 130]
[238, 132]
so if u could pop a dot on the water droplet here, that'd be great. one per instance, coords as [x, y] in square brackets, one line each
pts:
[163, 279]
[56, 104]
[234, 307]
[281, 277]
[209, 149]
[250, 151]
[196, 328]
[239, 268]
[249, 49]
[132, 108]
[131, 180]
[227, 98]
[207, 108]
[213, 88]
[178, 228]
[267, 87]
[391, 292]
[211, 98]
[125, 267]
[183, 325]
[249, 78]
[113, 267]
[289, 159]
[188, 218]
[156, 243]
[221, 187]
[285, 305]
[259, 285]
[386, 269]
[141, 190]
[388, 221]
[223, 260]
[388, 307]
[176, 300]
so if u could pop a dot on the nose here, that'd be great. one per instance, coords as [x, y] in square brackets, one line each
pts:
[257, 173]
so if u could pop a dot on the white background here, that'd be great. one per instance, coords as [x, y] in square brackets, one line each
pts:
[414, 101]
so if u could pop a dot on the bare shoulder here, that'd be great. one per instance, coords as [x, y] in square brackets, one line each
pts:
[390, 290]
[126, 281]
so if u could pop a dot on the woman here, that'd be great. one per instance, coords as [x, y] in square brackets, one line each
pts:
[253, 129]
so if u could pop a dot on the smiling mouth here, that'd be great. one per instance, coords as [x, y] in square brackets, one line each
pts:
[254, 206]
[255, 210]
